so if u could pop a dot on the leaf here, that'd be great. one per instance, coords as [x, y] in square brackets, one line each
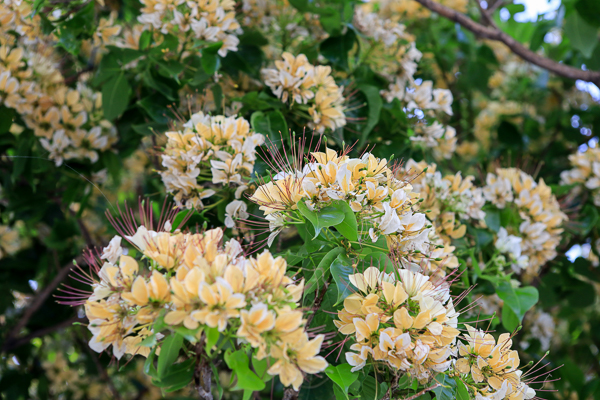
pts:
[492, 220]
[271, 124]
[246, 379]
[348, 227]
[336, 48]
[519, 300]
[115, 96]
[324, 218]
[341, 269]
[212, 337]
[322, 271]
[447, 388]
[582, 35]
[375, 104]
[149, 368]
[6, 119]
[177, 376]
[149, 341]
[462, 393]
[342, 376]
[541, 29]
[145, 40]
[169, 351]
[589, 10]
[210, 60]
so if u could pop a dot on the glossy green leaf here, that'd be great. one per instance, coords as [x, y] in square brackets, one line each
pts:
[323, 218]
[519, 300]
[348, 227]
[462, 393]
[375, 104]
[492, 220]
[341, 269]
[246, 379]
[342, 376]
[169, 351]
[271, 124]
[212, 337]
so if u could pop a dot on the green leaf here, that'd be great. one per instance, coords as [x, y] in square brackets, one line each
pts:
[375, 103]
[341, 269]
[582, 35]
[342, 376]
[348, 227]
[447, 388]
[6, 119]
[541, 29]
[149, 368]
[177, 376]
[271, 124]
[246, 379]
[210, 60]
[115, 96]
[212, 337]
[492, 220]
[149, 341]
[169, 351]
[462, 393]
[519, 300]
[324, 218]
[322, 272]
[336, 48]
[145, 40]
[589, 10]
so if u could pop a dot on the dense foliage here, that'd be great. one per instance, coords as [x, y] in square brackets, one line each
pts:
[297, 199]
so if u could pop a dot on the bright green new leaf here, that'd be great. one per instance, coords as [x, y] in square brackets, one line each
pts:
[324, 218]
[246, 379]
[212, 337]
[342, 376]
[462, 393]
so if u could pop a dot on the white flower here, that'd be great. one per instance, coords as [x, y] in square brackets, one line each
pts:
[358, 361]
[235, 210]
[113, 251]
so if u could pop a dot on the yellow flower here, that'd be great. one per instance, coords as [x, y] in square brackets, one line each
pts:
[220, 304]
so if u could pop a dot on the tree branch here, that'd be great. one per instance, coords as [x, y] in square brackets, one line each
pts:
[203, 372]
[422, 392]
[36, 303]
[496, 34]
[13, 343]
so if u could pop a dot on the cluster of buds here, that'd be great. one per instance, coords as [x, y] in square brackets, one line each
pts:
[309, 88]
[216, 149]
[383, 204]
[197, 282]
[585, 171]
[210, 21]
[538, 209]
[408, 322]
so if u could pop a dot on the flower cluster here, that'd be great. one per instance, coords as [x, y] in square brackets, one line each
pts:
[408, 323]
[420, 99]
[217, 149]
[11, 241]
[382, 203]
[536, 208]
[310, 88]
[448, 200]
[195, 281]
[491, 369]
[585, 171]
[68, 121]
[210, 21]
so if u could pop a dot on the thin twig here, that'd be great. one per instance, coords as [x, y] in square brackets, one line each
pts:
[492, 33]
[37, 302]
[20, 341]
